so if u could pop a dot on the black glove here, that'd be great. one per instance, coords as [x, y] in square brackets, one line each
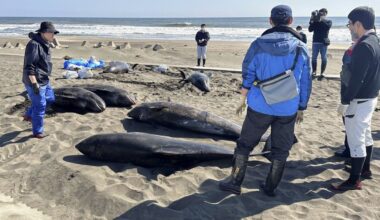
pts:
[36, 88]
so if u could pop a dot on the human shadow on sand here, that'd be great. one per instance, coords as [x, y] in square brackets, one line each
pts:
[211, 203]
[11, 138]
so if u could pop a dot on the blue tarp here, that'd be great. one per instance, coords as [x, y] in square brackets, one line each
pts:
[91, 63]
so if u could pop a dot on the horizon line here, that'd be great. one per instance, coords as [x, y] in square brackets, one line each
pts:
[154, 17]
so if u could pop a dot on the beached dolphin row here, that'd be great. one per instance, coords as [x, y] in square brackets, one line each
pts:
[148, 150]
[91, 98]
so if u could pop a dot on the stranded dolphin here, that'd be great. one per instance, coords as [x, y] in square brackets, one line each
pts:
[77, 100]
[199, 80]
[112, 96]
[185, 117]
[148, 150]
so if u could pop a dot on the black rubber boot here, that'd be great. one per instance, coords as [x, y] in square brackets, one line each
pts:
[314, 66]
[234, 181]
[323, 67]
[274, 177]
[366, 173]
[204, 62]
[353, 182]
[346, 152]
[199, 62]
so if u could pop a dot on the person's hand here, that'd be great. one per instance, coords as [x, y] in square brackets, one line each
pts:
[36, 88]
[299, 117]
[342, 110]
[242, 106]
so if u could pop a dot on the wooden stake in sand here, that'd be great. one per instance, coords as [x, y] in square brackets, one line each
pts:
[8, 45]
[85, 44]
[20, 46]
[111, 44]
[99, 45]
[157, 47]
[125, 46]
[56, 44]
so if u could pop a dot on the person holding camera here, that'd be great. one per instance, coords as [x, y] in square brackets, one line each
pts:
[320, 25]
[202, 37]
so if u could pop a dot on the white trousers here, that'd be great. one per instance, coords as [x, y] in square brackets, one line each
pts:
[202, 52]
[358, 119]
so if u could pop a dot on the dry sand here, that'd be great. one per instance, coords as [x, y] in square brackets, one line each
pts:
[50, 179]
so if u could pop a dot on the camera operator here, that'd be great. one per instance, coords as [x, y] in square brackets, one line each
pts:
[320, 25]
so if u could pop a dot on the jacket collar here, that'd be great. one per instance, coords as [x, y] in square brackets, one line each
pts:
[284, 29]
[37, 37]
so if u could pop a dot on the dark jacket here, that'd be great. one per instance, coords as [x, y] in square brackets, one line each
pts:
[321, 30]
[37, 60]
[304, 37]
[364, 69]
[202, 35]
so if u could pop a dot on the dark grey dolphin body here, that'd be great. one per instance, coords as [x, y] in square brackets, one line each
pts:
[185, 117]
[148, 150]
[112, 96]
[199, 80]
[77, 100]
[116, 67]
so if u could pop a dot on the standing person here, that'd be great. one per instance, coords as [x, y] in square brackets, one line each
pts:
[277, 85]
[362, 82]
[37, 69]
[303, 35]
[320, 25]
[202, 38]
[346, 61]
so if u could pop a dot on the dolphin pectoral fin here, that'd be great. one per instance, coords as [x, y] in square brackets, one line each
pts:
[183, 74]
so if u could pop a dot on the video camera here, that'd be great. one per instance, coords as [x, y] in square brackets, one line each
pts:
[316, 16]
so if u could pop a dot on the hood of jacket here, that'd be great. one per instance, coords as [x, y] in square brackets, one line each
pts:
[279, 41]
[38, 38]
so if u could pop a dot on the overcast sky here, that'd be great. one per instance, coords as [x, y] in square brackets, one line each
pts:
[173, 8]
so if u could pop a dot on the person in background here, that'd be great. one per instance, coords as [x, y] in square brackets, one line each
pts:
[202, 38]
[37, 69]
[303, 35]
[277, 53]
[320, 25]
[359, 98]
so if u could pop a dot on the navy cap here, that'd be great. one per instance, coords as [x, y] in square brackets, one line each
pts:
[281, 13]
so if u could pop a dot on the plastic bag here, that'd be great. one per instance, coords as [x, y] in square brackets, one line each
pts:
[117, 67]
[85, 73]
[70, 74]
[161, 69]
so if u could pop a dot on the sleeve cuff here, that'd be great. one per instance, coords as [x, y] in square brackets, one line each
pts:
[301, 108]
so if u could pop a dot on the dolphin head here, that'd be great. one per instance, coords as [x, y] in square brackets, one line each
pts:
[86, 147]
[127, 99]
[145, 112]
[201, 81]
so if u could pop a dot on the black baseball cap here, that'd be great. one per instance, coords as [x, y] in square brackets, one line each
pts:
[47, 27]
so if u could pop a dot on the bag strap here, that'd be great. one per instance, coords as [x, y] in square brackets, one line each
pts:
[298, 51]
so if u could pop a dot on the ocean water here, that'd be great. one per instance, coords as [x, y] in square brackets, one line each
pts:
[227, 29]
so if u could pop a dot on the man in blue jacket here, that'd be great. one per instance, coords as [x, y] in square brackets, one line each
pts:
[37, 69]
[271, 54]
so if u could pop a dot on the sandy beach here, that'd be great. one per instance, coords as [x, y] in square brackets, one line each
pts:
[50, 179]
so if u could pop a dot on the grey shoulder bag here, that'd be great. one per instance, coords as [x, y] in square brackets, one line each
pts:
[282, 87]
